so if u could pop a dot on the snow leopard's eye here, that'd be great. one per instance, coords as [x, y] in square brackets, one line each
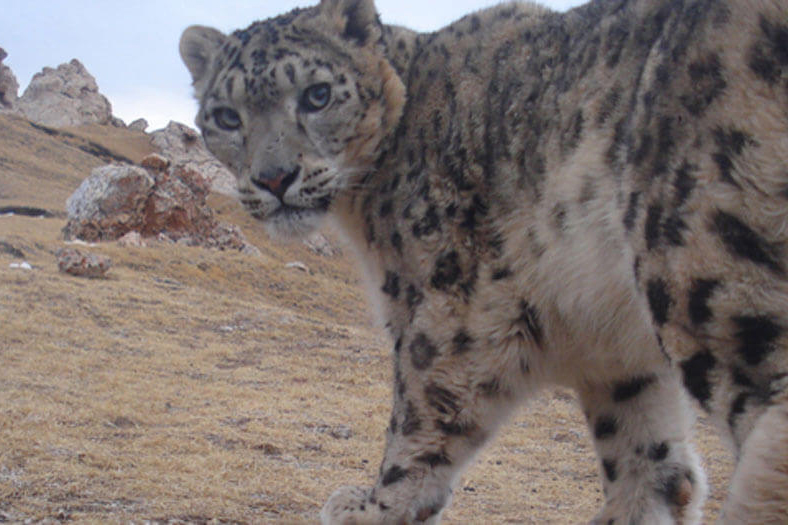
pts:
[227, 119]
[316, 97]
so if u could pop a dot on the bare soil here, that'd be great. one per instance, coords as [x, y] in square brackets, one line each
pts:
[199, 386]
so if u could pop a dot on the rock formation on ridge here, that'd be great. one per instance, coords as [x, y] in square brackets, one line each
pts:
[65, 96]
[8, 85]
[139, 125]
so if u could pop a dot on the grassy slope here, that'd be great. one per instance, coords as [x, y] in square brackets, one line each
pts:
[196, 385]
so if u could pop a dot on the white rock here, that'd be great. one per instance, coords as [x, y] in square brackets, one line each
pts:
[163, 238]
[251, 249]
[80, 242]
[297, 265]
[132, 239]
[109, 189]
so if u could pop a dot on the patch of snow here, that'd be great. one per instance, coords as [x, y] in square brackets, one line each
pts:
[80, 242]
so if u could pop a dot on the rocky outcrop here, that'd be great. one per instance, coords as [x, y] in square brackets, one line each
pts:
[9, 87]
[183, 145]
[66, 96]
[139, 125]
[162, 202]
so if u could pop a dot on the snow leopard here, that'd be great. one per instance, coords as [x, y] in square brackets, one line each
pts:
[595, 199]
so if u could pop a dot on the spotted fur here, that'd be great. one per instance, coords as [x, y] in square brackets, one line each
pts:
[596, 199]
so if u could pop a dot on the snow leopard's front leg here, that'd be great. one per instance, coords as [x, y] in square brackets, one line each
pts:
[446, 406]
[641, 426]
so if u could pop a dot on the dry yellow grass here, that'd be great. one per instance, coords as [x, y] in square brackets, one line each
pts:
[195, 385]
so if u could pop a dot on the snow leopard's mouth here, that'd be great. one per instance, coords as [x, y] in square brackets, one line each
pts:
[285, 212]
[288, 212]
[284, 209]
[290, 221]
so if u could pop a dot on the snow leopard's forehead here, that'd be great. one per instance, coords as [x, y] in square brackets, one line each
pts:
[259, 61]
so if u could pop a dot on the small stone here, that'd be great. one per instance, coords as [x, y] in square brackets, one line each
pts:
[251, 249]
[336, 431]
[341, 432]
[164, 239]
[74, 262]
[132, 239]
[297, 265]
[230, 237]
[187, 240]
[155, 162]
[10, 249]
[24, 265]
[122, 422]
[562, 437]
[268, 449]
[318, 243]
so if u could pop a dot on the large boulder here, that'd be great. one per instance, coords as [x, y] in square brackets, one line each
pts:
[9, 87]
[66, 96]
[183, 145]
[109, 203]
[157, 201]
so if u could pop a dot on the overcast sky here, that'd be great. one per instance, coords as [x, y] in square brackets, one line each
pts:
[131, 47]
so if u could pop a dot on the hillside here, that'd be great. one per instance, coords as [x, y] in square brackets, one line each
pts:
[195, 386]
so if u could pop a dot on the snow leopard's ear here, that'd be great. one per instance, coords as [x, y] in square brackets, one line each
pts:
[199, 45]
[356, 20]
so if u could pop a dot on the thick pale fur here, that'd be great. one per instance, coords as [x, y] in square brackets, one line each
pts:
[761, 481]
[596, 199]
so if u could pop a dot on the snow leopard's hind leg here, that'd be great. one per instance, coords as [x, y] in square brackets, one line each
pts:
[641, 427]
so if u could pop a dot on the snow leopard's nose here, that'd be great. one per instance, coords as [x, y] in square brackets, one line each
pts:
[276, 182]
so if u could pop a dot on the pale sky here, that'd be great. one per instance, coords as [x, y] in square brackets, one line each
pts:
[131, 47]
